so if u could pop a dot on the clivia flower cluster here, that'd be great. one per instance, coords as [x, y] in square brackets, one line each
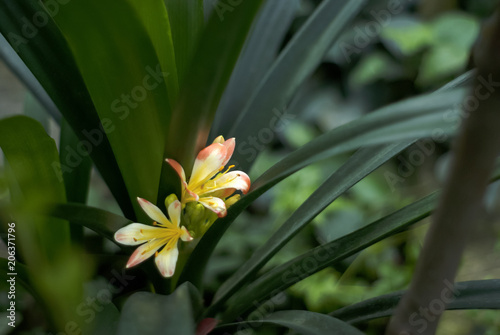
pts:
[211, 185]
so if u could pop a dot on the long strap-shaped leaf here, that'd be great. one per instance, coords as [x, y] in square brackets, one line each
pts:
[102, 222]
[126, 81]
[303, 322]
[16, 64]
[296, 62]
[45, 52]
[325, 255]
[214, 58]
[355, 169]
[476, 294]
[367, 129]
[259, 52]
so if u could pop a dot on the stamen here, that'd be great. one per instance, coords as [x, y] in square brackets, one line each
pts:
[135, 240]
[156, 254]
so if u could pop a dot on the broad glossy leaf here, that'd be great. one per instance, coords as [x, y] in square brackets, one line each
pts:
[45, 52]
[303, 322]
[260, 50]
[282, 277]
[33, 158]
[102, 222]
[186, 24]
[302, 54]
[355, 169]
[146, 313]
[127, 85]
[214, 58]
[16, 64]
[476, 294]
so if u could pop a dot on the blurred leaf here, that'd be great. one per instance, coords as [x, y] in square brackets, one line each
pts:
[302, 54]
[33, 109]
[374, 66]
[259, 51]
[303, 322]
[362, 163]
[455, 28]
[147, 313]
[22, 277]
[46, 54]
[406, 36]
[477, 294]
[129, 92]
[186, 24]
[102, 222]
[33, 158]
[442, 62]
[76, 181]
[16, 64]
[282, 277]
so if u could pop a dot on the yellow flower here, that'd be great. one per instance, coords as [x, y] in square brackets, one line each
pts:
[165, 233]
[209, 184]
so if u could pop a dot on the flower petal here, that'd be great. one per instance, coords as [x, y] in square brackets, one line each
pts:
[134, 233]
[178, 168]
[229, 144]
[237, 180]
[166, 261]
[174, 213]
[216, 205]
[207, 164]
[186, 236]
[144, 252]
[152, 211]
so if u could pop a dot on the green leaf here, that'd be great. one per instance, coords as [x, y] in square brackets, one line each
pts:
[15, 63]
[258, 54]
[186, 23]
[76, 181]
[102, 222]
[476, 294]
[303, 322]
[282, 277]
[355, 169]
[155, 18]
[302, 54]
[339, 140]
[129, 92]
[214, 58]
[45, 52]
[147, 313]
[33, 158]
[22, 277]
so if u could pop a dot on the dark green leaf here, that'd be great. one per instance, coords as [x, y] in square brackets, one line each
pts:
[15, 63]
[45, 52]
[129, 91]
[186, 23]
[325, 255]
[259, 52]
[303, 322]
[355, 169]
[147, 313]
[102, 222]
[477, 294]
[296, 62]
